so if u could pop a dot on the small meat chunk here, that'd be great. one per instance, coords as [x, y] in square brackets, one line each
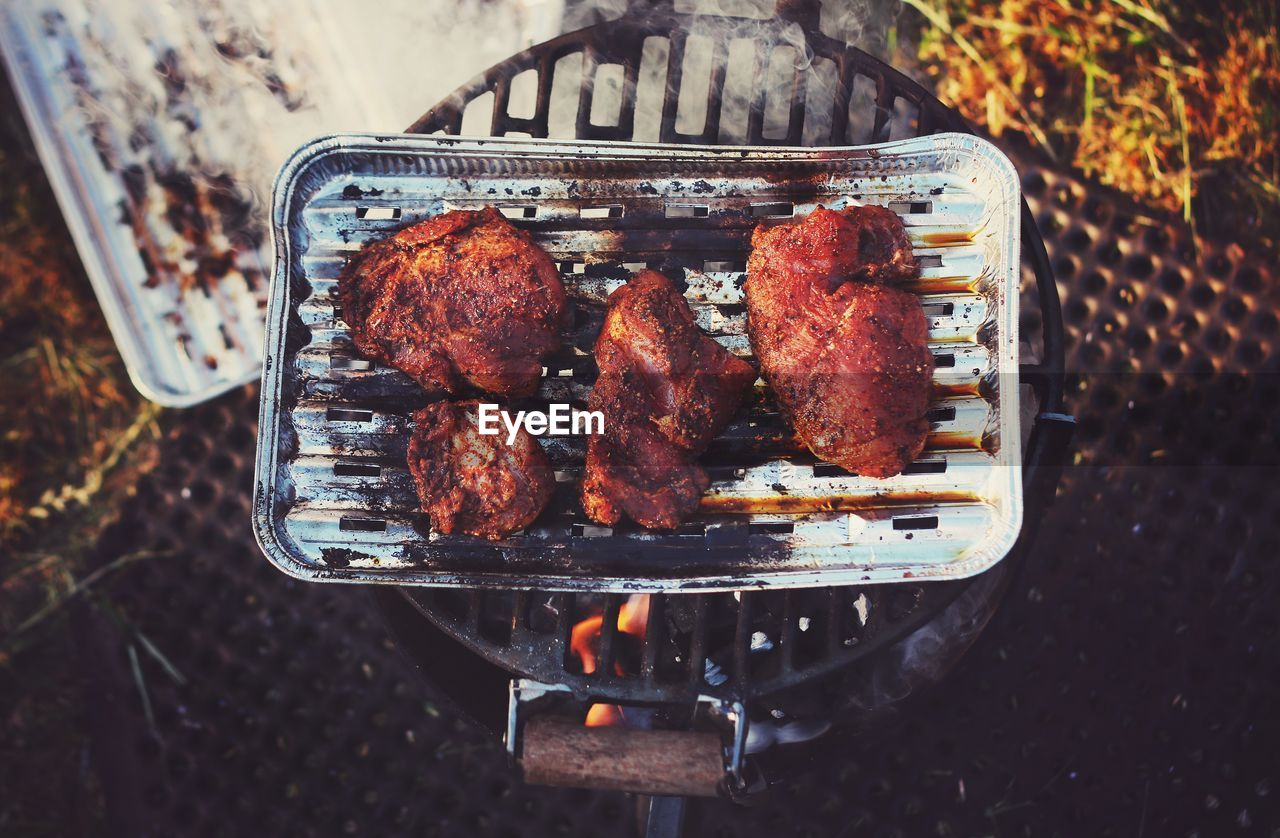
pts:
[846, 355]
[460, 301]
[475, 483]
[665, 390]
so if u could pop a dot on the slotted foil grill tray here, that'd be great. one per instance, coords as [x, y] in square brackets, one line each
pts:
[334, 500]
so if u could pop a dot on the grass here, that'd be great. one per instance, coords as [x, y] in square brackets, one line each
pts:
[1148, 96]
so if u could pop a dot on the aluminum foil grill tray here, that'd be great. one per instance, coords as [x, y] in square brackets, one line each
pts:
[334, 500]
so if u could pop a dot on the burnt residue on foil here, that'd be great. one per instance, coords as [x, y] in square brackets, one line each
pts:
[213, 226]
[166, 127]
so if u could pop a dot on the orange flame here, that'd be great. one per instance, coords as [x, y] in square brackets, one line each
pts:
[633, 616]
[604, 715]
[584, 641]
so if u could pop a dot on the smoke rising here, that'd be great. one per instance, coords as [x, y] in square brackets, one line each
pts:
[757, 50]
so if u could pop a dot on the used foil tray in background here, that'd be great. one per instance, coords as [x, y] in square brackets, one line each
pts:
[334, 500]
[156, 123]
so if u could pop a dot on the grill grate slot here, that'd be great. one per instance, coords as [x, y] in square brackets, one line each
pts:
[772, 527]
[349, 363]
[923, 522]
[378, 213]
[941, 414]
[345, 469]
[607, 95]
[911, 207]
[343, 414]
[519, 213]
[611, 211]
[927, 467]
[687, 210]
[774, 210]
[351, 524]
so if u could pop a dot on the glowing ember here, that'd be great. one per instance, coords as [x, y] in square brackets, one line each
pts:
[584, 641]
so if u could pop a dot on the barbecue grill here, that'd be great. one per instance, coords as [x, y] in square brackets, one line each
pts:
[713, 658]
[1098, 700]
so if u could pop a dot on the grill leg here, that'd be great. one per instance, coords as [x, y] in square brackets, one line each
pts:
[665, 818]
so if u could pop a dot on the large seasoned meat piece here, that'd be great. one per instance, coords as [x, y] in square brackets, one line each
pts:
[460, 300]
[472, 482]
[665, 390]
[847, 357]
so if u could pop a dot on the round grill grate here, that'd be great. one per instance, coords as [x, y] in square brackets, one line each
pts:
[844, 95]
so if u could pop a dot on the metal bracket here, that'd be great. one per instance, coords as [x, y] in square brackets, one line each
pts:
[523, 689]
[735, 713]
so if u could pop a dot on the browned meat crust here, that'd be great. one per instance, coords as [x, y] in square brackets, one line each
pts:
[847, 357]
[460, 300]
[666, 390]
[474, 483]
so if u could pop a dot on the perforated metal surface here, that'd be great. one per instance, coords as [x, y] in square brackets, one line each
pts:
[1127, 686]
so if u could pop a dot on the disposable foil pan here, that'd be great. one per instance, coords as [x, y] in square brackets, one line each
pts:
[160, 126]
[334, 500]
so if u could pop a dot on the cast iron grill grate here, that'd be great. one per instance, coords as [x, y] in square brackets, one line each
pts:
[641, 78]
[658, 75]
[744, 645]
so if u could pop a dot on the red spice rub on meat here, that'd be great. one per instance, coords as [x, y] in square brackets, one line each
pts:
[846, 355]
[666, 390]
[462, 300]
[473, 483]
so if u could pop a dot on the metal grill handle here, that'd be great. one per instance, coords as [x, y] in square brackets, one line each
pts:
[560, 752]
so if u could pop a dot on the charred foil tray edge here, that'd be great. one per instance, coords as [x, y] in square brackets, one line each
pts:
[558, 566]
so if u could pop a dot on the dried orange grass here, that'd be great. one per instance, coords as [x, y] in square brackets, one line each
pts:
[1123, 89]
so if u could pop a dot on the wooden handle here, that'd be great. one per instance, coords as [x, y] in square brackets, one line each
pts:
[558, 752]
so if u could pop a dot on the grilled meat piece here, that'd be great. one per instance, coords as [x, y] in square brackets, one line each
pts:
[462, 299]
[666, 390]
[847, 358]
[476, 483]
